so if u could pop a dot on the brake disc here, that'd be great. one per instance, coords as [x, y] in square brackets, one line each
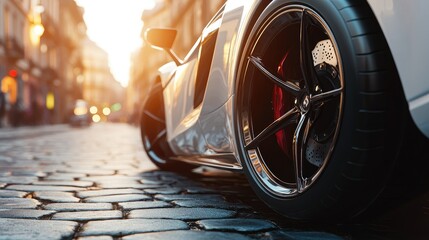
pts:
[324, 59]
[324, 53]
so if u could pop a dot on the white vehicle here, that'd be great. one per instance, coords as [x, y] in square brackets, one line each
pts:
[309, 98]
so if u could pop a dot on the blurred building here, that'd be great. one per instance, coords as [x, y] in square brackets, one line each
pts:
[73, 34]
[40, 41]
[189, 17]
[99, 87]
[13, 62]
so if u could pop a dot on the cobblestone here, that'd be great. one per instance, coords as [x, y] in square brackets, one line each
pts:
[155, 182]
[122, 184]
[18, 203]
[18, 180]
[33, 173]
[170, 190]
[118, 198]
[12, 194]
[66, 207]
[199, 190]
[237, 224]
[89, 171]
[65, 183]
[36, 188]
[104, 192]
[96, 238]
[144, 205]
[88, 215]
[24, 213]
[182, 213]
[115, 182]
[188, 235]
[210, 203]
[59, 197]
[24, 229]
[189, 197]
[299, 235]
[114, 178]
[131, 226]
[64, 176]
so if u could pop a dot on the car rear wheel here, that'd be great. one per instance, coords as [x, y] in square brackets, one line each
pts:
[317, 117]
[154, 134]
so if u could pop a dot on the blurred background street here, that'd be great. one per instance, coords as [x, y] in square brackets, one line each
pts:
[56, 53]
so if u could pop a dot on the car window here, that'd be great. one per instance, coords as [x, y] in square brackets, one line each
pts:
[193, 53]
[213, 25]
[205, 57]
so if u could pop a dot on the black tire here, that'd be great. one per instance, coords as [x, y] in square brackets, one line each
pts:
[369, 106]
[154, 135]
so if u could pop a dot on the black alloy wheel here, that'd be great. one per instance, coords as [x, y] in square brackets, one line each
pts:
[154, 133]
[312, 132]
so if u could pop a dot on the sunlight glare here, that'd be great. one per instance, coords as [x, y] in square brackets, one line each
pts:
[115, 25]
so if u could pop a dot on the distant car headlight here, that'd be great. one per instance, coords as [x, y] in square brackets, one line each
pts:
[79, 111]
[106, 111]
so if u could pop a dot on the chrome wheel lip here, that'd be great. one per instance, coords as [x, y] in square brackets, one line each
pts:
[256, 162]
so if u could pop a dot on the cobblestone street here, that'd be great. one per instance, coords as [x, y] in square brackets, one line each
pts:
[97, 183]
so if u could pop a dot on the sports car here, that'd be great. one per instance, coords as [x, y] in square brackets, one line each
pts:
[311, 99]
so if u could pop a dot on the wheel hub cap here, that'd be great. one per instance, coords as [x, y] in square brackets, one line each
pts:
[305, 104]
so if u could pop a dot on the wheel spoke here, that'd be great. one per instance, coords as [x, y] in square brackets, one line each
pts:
[306, 59]
[286, 85]
[153, 116]
[158, 137]
[288, 118]
[326, 96]
[299, 146]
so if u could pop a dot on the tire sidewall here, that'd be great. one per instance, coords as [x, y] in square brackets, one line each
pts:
[162, 158]
[156, 89]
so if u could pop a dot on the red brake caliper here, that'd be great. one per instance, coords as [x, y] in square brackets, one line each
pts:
[281, 104]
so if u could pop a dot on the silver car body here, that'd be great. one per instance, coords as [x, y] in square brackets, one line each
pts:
[205, 133]
[405, 28]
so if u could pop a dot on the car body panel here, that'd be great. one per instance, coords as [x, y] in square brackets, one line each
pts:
[176, 95]
[405, 28]
[166, 73]
[206, 130]
[183, 130]
[220, 85]
[217, 131]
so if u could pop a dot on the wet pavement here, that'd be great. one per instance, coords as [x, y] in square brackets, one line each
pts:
[60, 182]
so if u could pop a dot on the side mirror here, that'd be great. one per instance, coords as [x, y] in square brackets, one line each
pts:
[163, 38]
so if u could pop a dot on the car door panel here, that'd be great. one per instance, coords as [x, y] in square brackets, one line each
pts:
[177, 94]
